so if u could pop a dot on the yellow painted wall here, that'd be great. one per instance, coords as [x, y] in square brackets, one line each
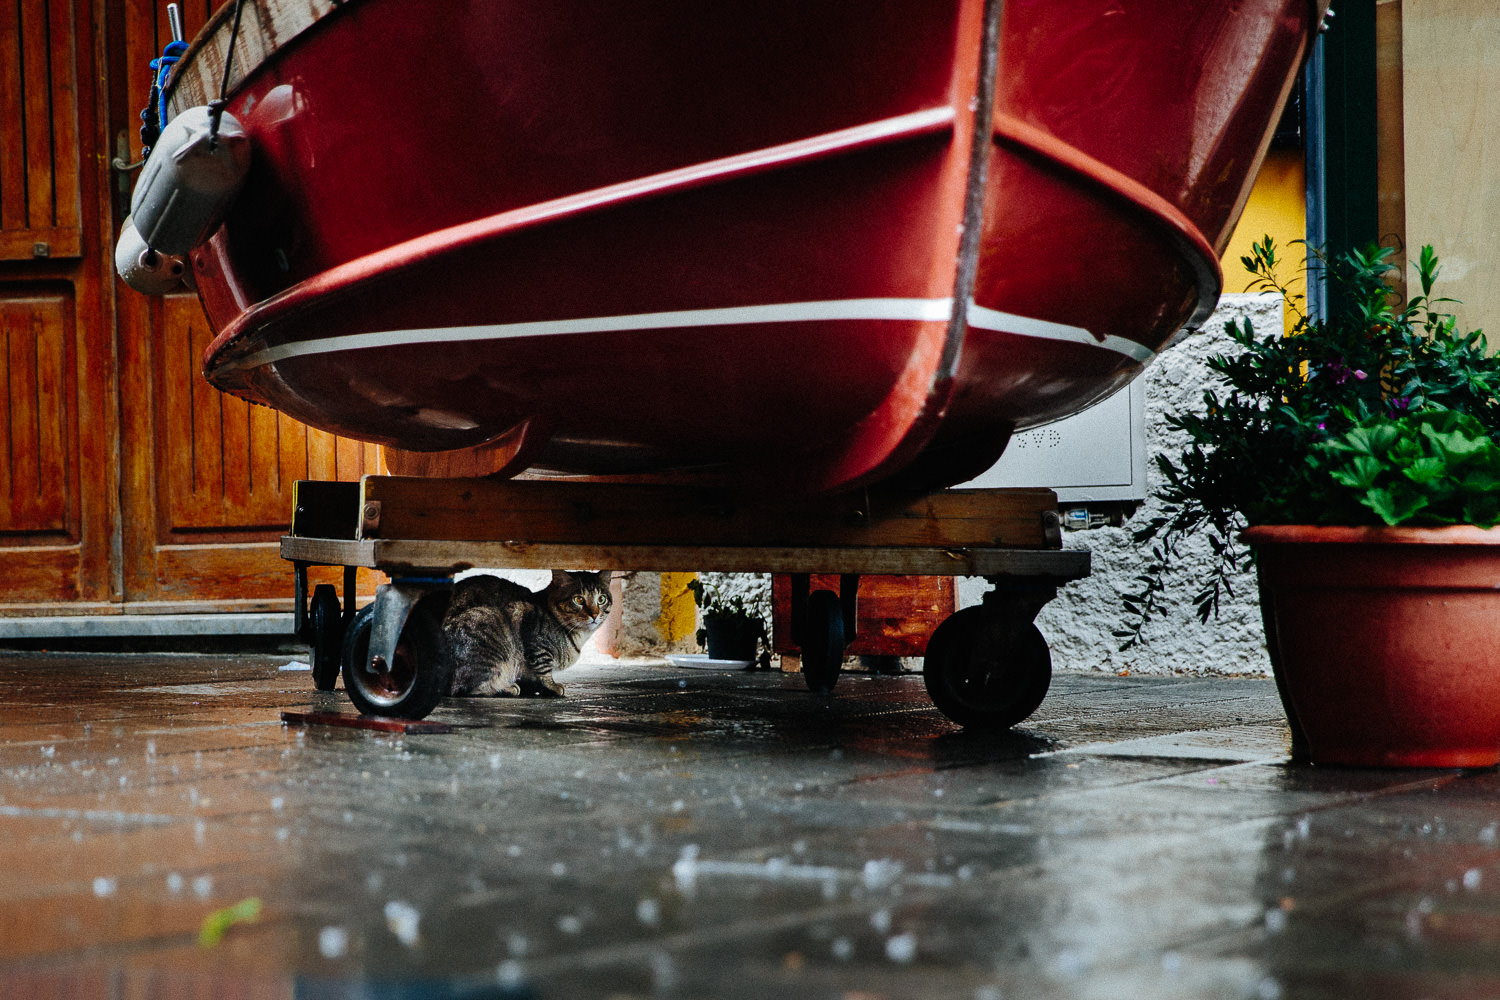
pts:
[1278, 207]
[679, 614]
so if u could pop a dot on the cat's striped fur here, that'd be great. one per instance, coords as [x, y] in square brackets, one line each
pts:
[502, 639]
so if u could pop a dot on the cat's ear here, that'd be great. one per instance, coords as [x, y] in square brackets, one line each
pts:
[560, 577]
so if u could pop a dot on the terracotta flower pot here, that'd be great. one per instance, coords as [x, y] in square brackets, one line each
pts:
[1386, 641]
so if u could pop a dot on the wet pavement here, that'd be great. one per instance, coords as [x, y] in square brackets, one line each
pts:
[679, 833]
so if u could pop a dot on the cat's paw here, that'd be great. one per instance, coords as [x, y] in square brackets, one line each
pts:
[490, 689]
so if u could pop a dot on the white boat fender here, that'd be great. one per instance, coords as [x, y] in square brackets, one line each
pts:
[190, 180]
[144, 269]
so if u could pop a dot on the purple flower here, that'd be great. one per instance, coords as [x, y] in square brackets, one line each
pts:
[1399, 405]
[1341, 373]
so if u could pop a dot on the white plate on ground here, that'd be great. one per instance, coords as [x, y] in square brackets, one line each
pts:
[700, 661]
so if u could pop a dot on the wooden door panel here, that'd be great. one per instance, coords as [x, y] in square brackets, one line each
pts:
[40, 554]
[230, 466]
[42, 577]
[227, 465]
[35, 388]
[224, 472]
[40, 196]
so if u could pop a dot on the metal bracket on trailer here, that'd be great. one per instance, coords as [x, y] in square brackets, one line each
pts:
[848, 603]
[301, 623]
[393, 604]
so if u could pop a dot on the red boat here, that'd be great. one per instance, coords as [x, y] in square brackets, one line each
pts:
[808, 244]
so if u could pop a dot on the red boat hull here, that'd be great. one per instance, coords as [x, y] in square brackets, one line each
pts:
[805, 245]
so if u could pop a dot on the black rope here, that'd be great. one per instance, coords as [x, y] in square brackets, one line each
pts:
[216, 107]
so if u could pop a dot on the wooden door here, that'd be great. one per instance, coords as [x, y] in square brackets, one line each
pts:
[57, 469]
[127, 484]
[207, 479]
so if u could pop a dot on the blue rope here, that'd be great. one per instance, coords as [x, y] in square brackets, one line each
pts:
[163, 67]
[154, 116]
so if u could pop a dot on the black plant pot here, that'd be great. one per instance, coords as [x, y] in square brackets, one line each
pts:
[731, 638]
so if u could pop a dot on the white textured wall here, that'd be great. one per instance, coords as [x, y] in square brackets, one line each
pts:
[1078, 624]
[754, 588]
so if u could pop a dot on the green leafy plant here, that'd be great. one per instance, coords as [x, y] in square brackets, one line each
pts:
[1438, 467]
[1382, 413]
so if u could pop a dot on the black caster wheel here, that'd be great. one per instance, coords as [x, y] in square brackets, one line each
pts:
[326, 617]
[417, 678]
[822, 641]
[979, 685]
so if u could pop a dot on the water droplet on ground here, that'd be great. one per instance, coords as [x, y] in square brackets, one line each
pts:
[509, 974]
[901, 948]
[404, 921]
[333, 942]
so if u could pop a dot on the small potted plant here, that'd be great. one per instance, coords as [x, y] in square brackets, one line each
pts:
[731, 630]
[1354, 460]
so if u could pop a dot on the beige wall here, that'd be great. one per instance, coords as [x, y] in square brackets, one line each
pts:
[1451, 112]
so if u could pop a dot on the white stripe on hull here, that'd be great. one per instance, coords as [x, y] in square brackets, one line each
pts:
[981, 318]
[922, 310]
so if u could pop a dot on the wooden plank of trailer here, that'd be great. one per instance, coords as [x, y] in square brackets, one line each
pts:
[419, 555]
[675, 517]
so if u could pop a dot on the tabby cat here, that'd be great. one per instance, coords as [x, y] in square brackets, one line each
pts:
[501, 637]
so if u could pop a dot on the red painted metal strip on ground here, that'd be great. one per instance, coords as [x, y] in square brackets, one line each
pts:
[337, 719]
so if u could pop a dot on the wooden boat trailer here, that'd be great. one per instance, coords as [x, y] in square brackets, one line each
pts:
[985, 666]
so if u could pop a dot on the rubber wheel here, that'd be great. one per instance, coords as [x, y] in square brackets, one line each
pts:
[416, 680]
[822, 641]
[981, 687]
[326, 616]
